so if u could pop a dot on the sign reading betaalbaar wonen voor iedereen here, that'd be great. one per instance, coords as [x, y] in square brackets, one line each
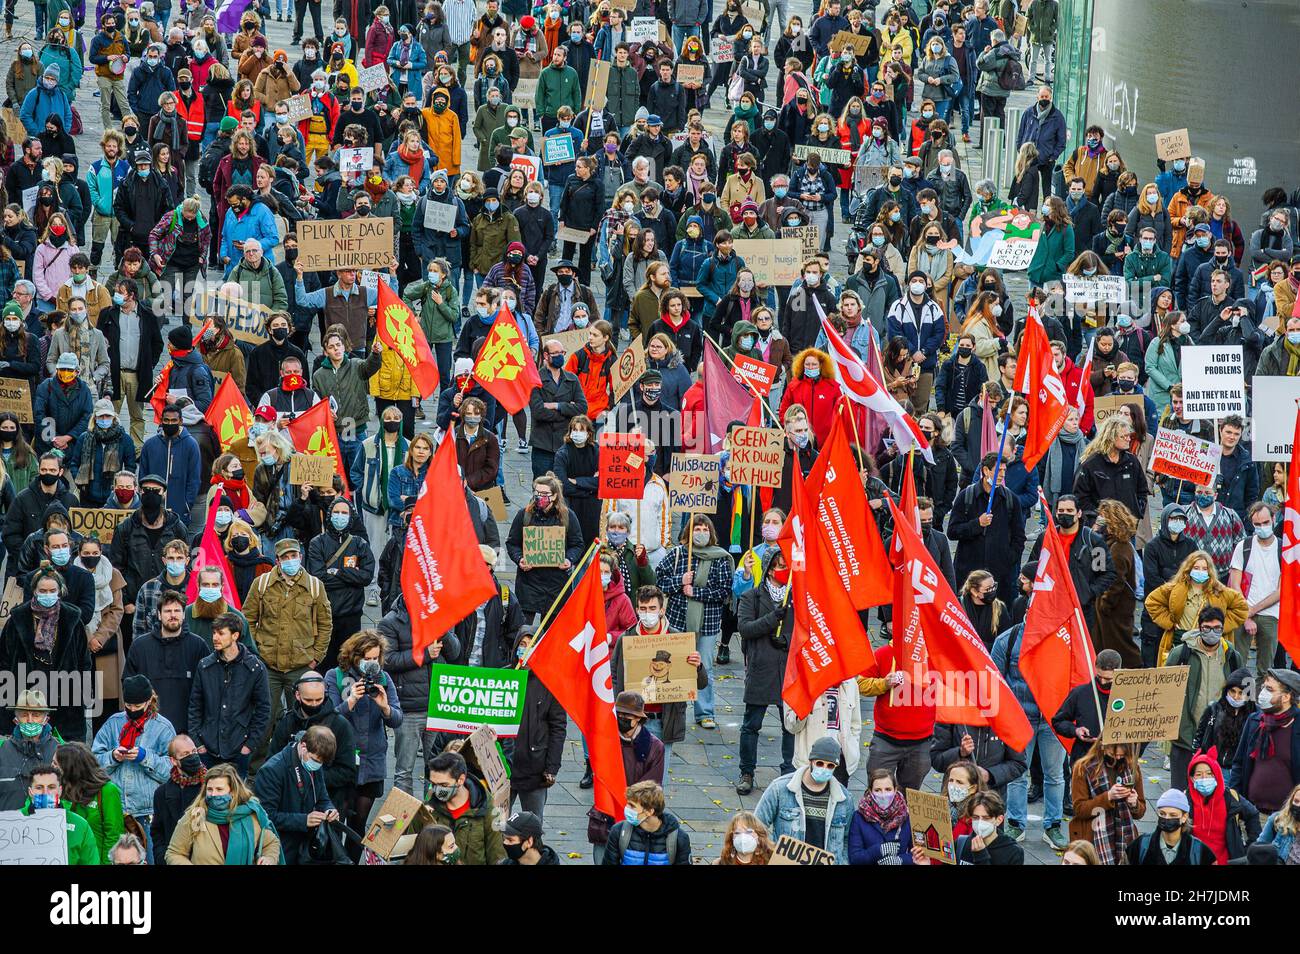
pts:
[461, 698]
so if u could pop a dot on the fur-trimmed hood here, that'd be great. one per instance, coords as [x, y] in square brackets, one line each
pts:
[823, 359]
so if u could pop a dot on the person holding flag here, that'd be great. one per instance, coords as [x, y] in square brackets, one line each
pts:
[535, 585]
[988, 537]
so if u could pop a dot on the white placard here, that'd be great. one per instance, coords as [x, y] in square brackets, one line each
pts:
[371, 78]
[1271, 432]
[356, 159]
[40, 838]
[370, 279]
[1082, 290]
[29, 200]
[1012, 256]
[1214, 383]
[439, 216]
[643, 30]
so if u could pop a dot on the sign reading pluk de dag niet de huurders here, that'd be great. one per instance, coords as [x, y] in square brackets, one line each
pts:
[328, 245]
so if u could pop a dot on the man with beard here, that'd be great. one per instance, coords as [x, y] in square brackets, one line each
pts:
[137, 547]
[168, 655]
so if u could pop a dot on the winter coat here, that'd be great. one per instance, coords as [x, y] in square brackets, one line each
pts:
[926, 335]
[178, 461]
[1099, 478]
[477, 838]
[1166, 603]
[289, 793]
[18, 756]
[536, 587]
[197, 841]
[539, 746]
[368, 720]
[230, 704]
[345, 564]
[995, 548]
[648, 848]
[68, 408]
[781, 809]
[1003, 763]
[170, 665]
[70, 658]
[411, 681]
[549, 426]
[291, 621]
[341, 774]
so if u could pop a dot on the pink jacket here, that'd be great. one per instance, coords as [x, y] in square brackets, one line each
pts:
[50, 268]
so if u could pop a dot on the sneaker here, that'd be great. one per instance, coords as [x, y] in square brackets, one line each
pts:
[708, 722]
[723, 656]
[588, 780]
[522, 446]
[1056, 838]
[1014, 831]
[746, 783]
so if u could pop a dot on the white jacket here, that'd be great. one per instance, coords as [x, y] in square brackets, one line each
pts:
[651, 522]
[809, 730]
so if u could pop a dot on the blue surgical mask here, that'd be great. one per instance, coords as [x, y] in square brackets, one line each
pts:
[47, 599]
[780, 191]
[257, 430]
[482, 310]
[1147, 244]
[1203, 242]
[268, 460]
[340, 521]
[60, 555]
[1124, 321]
[821, 775]
[224, 518]
[1265, 532]
[1293, 337]
[291, 566]
[491, 205]
[209, 594]
[45, 800]
[118, 298]
[769, 124]
[812, 374]
[1045, 208]
[311, 765]
[877, 240]
[631, 816]
[1205, 785]
[746, 342]
[895, 215]
[175, 567]
[1200, 576]
[104, 423]
[616, 537]
[144, 173]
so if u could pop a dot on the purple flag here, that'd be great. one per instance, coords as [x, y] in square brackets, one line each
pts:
[228, 14]
[725, 399]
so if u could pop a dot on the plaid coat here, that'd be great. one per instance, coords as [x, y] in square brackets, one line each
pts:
[713, 593]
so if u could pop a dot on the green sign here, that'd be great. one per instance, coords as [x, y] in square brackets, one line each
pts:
[462, 698]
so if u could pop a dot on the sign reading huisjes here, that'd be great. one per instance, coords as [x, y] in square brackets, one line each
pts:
[461, 698]
[345, 243]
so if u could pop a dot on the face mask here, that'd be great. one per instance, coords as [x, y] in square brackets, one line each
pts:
[473, 420]
[649, 620]
[958, 793]
[701, 538]
[1200, 576]
[175, 567]
[291, 566]
[983, 827]
[917, 288]
[746, 343]
[895, 216]
[1177, 526]
[492, 205]
[579, 438]
[31, 730]
[47, 599]
[882, 799]
[340, 521]
[151, 60]
[191, 764]
[1169, 824]
[965, 352]
[555, 360]
[1045, 208]
[1184, 328]
[60, 555]
[209, 594]
[1264, 699]
[927, 113]
[443, 793]
[821, 775]
[812, 279]
[1293, 337]
[631, 816]
[171, 430]
[45, 800]
[745, 284]
[534, 199]
[1265, 532]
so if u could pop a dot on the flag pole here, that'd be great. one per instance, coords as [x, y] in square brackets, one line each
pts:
[742, 379]
[573, 575]
[1092, 672]
[1006, 426]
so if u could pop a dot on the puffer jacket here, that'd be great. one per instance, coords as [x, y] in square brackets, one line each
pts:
[341, 774]
[138, 779]
[290, 619]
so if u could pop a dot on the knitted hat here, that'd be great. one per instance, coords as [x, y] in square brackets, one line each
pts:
[52, 72]
[259, 42]
[12, 310]
[136, 690]
[527, 21]
[464, 366]
[1174, 798]
[749, 205]
[516, 247]
[653, 120]
[228, 124]
[825, 749]
[180, 338]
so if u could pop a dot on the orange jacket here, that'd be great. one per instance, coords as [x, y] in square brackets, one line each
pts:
[444, 138]
[593, 373]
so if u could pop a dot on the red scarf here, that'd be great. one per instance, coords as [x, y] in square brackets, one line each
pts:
[414, 164]
[185, 781]
[237, 491]
[132, 729]
[1269, 722]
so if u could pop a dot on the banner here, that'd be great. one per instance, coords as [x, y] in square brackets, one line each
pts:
[462, 698]
[1271, 433]
[773, 261]
[1214, 383]
[1185, 457]
[228, 415]
[398, 329]
[693, 483]
[1082, 290]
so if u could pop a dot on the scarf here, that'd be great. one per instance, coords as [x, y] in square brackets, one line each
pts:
[103, 574]
[132, 729]
[1292, 356]
[414, 163]
[1269, 722]
[695, 183]
[241, 849]
[185, 781]
[704, 557]
[112, 462]
[47, 629]
[1054, 480]
[888, 818]
[81, 345]
[237, 491]
[1113, 829]
[776, 590]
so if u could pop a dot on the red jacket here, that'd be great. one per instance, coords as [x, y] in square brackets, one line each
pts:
[593, 374]
[194, 116]
[693, 419]
[1072, 378]
[817, 397]
[379, 40]
[846, 140]
[326, 107]
[619, 614]
[911, 719]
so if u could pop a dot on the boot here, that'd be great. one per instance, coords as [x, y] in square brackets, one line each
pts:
[9, 31]
[96, 252]
[587, 779]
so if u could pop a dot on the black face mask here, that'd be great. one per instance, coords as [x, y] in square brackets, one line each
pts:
[8, 437]
[625, 724]
[239, 543]
[310, 711]
[279, 334]
[1168, 824]
[392, 427]
[49, 480]
[151, 503]
[1065, 520]
[191, 764]
[362, 210]
[90, 562]
[171, 430]
[514, 852]
[291, 253]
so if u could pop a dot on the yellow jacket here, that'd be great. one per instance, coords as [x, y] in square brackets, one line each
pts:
[1166, 604]
[392, 382]
[444, 138]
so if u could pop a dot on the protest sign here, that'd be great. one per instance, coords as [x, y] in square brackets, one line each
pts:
[773, 261]
[371, 78]
[245, 320]
[628, 368]
[643, 30]
[809, 236]
[572, 340]
[1271, 433]
[1008, 256]
[931, 825]
[866, 178]
[531, 166]
[722, 50]
[14, 126]
[544, 546]
[655, 665]
[314, 469]
[495, 498]
[16, 397]
[758, 375]
[356, 159]
[29, 200]
[299, 107]
[328, 245]
[597, 85]
[1021, 25]
[525, 94]
[369, 279]
[1185, 457]
[693, 483]
[1214, 383]
[859, 42]
[439, 216]
[757, 456]
[462, 698]
[1104, 408]
[622, 466]
[40, 838]
[791, 851]
[690, 73]
[557, 149]
[754, 13]
[1079, 289]
[399, 820]
[576, 236]
[1146, 705]
[623, 4]
[13, 595]
[1175, 144]
[831, 155]
[487, 752]
[101, 521]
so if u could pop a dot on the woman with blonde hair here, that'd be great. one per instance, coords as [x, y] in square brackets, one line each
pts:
[1108, 796]
[1025, 179]
[1282, 830]
[746, 841]
[985, 611]
[1108, 467]
[940, 265]
[271, 482]
[227, 826]
[1176, 606]
[1080, 853]
[982, 325]
[1150, 212]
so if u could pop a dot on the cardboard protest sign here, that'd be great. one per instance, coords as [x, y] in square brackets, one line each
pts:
[1271, 433]
[643, 30]
[371, 78]
[1145, 705]
[655, 665]
[931, 825]
[245, 319]
[722, 50]
[1080, 289]
[757, 456]
[622, 466]
[398, 821]
[557, 149]
[597, 84]
[439, 216]
[831, 155]
[623, 4]
[525, 94]
[13, 595]
[544, 546]
[809, 236]
[14, 125]
[1021, 26]
[1009, 256]
[1214, 383]
[531, 166]
[16, 397]
[314, 469]
[495, 498]
[756, 374]
[487, 752]
[1104, 408]
[1185, 457]
[791, 851]
[100, 521]
[693, 483]
[327, 245]
[576, 236]
[866, 178]
[690, 73]
[299, 107]
[29, 199]
[754, 13]
[40, 838]
[462, 698]
[572, 340]
[628, 368]
[859, 42]
[1175, 144]
[773, 261]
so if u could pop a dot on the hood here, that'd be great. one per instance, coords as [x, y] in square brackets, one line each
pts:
[616, 588]
[55, 507]
[740, 329]
[823, 359]
[1210, 758]
[1237, 679]
[1165, 514]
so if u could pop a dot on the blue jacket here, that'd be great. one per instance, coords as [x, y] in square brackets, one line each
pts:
[103, 181]
[40, 103]
[146, 86]
[1271, 836]
[1010, 669]
[927, 338]
[868, 845]
[178, 462]
[395, 167]
[402, 484]
[70, 67]
[191, 375]
[364, 475]
[258, 223]
[1238, 481]
[289, 793]
[140, 778]
[1169, 182]
[1048, 134]
[714, 279]
[687, 259]
[1243, 765]
[70, 410]
[367, 719]
[413, 77]
[430, 244]
[781, 810]
[97, 491]
[1192, 258]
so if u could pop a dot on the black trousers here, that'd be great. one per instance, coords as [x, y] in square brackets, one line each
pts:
[315, 19]
[991, 106]
[584, 259]
[345, 626]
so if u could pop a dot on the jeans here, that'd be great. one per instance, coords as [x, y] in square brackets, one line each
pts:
[286, 7]
[442, 354]
[656, 726]
[351, 448]
[533, 801]
[749, 730]
[778, 13]
[705, 646]
[1045, 51]
[965, 103]
[909, 763]
[1052, 757]
[556, 193]
[543, 461]
[680, 33]
[411, 740]
[305, 6]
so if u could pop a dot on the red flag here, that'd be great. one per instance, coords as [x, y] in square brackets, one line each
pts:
[229, 415]
[444, 578]
[1036, 378]
[907, 505]
[1288, 630]
[931, 626]
[828, 644]
[725, 398]
[505, 365]
[856, 550]
[572, 659]
[1055, 651]
[312, 432]
[1085, 395]
[397, 328]
[211, 553]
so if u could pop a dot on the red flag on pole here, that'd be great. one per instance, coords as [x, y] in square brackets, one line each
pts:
[1037, 379]
[397, 328]
[444, 578]
[907, 505]
[312, 432]
[725, 399]
[1288, 630]
[856, 550]
[229, 415]
[930, 625]
[505, 365]
[572, 659]
[828, 644]
[1055, 651]
[211, 553]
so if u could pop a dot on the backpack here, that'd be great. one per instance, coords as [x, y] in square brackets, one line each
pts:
[625, 839]
[1012, 75]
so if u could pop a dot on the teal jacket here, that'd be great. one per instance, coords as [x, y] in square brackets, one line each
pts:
[1158, 267]
[1163, 371]
[1053, 256]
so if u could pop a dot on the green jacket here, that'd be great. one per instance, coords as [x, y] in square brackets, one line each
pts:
[104, 817]
[1042, 17]
[761, 231]
[82, 847]
[1163, 369]
[487, 121]
[1053, 256]
[437, 321]
[1139, 267]
[556, 88]
[488, 238]
[501, 137]
[478, 841]
[264, 285]
[623, 94]
[347, 386]
[1186, 654]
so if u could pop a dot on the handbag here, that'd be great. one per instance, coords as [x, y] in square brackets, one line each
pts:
[735, 88]
[76, 123]
[326, 846]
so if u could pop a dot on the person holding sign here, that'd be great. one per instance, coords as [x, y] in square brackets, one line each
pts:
[536, 586]
[1211, 660]
[765, 619]
[810, 804]
[45, 791]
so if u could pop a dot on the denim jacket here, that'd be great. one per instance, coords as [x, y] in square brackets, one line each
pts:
[365, 473]
[781, 810]
[139, 779]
